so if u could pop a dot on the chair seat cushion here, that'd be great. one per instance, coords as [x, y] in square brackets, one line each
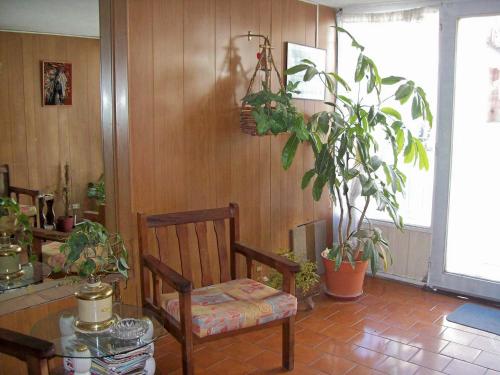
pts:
[233, 305]
[28, 210]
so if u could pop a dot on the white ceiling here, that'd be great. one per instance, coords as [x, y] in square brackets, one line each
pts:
[65, 17]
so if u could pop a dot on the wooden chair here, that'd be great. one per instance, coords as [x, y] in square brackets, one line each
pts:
[7, 190]
[177, 313]
[33, 351]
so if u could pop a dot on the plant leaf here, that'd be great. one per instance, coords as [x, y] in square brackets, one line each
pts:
[306, 179]
[289, 151]
[391, 80]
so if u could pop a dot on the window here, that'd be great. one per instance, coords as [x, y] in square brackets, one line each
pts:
[403, 44]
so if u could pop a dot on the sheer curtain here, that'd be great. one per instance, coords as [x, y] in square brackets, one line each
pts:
[401, 43]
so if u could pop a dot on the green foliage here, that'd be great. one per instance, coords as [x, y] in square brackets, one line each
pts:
[305, 279]
[9, 207]
[345, 149]
[97, 191]
[102, 252]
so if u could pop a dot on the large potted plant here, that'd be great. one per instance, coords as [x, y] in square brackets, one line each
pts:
[93, 251]
[346, 147]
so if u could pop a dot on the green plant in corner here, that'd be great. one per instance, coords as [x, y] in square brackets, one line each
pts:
[306, 279]
[97, 191]
[96, 250]
[346, 147]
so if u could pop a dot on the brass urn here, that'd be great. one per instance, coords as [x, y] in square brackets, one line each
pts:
[95, 305]
[10, 254]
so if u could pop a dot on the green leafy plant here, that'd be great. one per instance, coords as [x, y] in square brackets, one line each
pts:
[97, 191]
[346, 149]
[101, 252]
[306, 279]
[10, 210]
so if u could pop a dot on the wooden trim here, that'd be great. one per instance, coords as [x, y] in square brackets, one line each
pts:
[189, 217]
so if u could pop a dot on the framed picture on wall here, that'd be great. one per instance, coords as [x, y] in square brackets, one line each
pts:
[295, 53]
[57, 83]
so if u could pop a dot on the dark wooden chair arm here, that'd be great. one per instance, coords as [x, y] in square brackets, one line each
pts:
[275, 261]
[167, 274]
[22, 346]
[22, 191]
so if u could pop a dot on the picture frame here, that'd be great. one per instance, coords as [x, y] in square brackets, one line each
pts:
[313, 89]
[57, 83]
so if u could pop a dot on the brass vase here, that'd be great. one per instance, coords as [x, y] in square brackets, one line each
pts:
[95, 305]
[10, 261]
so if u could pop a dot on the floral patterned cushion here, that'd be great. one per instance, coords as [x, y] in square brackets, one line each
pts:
[233, 305]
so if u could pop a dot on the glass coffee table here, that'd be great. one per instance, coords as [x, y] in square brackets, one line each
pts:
[32, 273]
[102, 352]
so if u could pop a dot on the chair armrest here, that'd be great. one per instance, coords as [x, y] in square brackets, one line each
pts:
[21, 346]
[167, 274]
[50, 235]
[17, 190]
[275, 261]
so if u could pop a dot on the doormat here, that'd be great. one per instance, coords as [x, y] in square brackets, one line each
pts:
[480, 317]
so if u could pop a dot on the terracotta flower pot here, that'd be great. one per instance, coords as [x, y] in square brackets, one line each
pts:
[65, 223]
[346, 283]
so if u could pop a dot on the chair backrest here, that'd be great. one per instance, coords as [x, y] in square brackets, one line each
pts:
[4, 180]
[200, 220]
[33, 351]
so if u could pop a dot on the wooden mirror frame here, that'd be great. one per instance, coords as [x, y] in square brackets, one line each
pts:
[114, 113]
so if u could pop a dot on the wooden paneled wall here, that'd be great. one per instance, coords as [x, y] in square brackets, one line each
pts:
[37, 140]
[189, 65]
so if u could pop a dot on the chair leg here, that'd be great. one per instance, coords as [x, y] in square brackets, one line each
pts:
[187, 358]
[288, 343]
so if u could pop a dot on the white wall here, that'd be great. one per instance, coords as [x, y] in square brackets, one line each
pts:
[61, 17]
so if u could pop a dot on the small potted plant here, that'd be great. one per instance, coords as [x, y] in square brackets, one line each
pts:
[65, 223]
[93, 251]
[12, 222]
[306, 280]
[96, 191]
[345, 142]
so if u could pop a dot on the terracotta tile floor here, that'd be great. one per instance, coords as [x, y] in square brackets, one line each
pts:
[393, 329]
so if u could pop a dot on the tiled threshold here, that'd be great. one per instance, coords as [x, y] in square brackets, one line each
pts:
[393, 329]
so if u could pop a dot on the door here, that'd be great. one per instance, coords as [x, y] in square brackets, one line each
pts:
[465, 254]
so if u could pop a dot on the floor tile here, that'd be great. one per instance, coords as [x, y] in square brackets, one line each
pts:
[306, 354]
[366, 357]
[308, 337]
[272, 342]
[371, 326]
[338, 348]
[492, 372]
[230, 367]
[458, 367]
[372, 342]
[460, 337]
[427, 371]
[488, 360]
[340, 333]
[431, 344]
[206, 357]
[265, 360]
[486, 344]
[462, 352]
[400, 335]
[362, 370]
[399, 350]
[395, 366]
[431, 360]
[333, 365]
[427, 329]
[241, 351]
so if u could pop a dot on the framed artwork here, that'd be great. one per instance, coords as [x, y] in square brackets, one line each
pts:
[313, 89]
[57, 88]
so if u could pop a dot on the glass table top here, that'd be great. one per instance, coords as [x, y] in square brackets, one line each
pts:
[33, 273]
[59, 329]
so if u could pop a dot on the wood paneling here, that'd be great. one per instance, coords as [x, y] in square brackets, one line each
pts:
[36, 141]
[189, 66]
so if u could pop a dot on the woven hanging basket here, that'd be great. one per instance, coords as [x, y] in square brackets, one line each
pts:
[265, 66]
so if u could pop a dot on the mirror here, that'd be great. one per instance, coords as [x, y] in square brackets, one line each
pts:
[51, 147]
[50, 107]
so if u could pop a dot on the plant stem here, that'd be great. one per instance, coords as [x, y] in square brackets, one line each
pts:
[341, 219]
[360, 223]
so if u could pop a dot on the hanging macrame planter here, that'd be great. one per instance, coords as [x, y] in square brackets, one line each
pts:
[266, 67]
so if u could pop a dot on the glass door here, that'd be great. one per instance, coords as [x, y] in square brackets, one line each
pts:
[466, 218]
